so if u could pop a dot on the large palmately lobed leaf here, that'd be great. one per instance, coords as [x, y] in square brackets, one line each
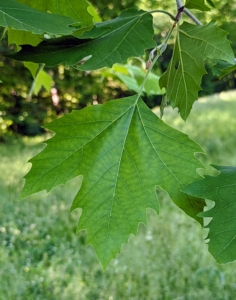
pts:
[184, 74]
[21, 17]
[112, 42]
[123, 150]
[222, 190]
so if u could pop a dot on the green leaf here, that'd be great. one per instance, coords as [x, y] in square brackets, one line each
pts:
[223, 68]
[21, 17]
[222, 190]
[74, 9]
[133, 76]
[128, 35]
[197, 4]
[20, 37]
[123, 150]
[42, 79]
[184, 74]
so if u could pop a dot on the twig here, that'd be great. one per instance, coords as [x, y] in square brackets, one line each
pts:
[195, 19]
[187, 12]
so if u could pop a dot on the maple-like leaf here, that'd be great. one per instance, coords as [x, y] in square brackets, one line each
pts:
[22, 17]
[123, 150]
[113, 42]
[222, 190]
[184, 74]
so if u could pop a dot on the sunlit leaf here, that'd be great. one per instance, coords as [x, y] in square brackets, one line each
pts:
[123, 150]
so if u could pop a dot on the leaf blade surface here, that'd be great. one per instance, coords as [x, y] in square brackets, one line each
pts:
[22, 17]
[112, 145]
[128, 35]
[183, 76]
[222, 228]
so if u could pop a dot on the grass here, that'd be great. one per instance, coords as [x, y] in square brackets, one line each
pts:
[41, 257]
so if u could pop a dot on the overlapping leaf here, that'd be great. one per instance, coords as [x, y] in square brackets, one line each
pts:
[197, 4]
[133, 76]
[222, 190]
[21, 17]
[117, 40]
[123, 150]
[184, 74]
[75, 9]
[223, 68]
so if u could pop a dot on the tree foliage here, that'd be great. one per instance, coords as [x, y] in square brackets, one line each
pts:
[121, 149]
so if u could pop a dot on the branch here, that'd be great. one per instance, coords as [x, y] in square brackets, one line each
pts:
[195, 19]
[188, 13]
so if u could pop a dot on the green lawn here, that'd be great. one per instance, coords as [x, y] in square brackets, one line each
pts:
[42, 258]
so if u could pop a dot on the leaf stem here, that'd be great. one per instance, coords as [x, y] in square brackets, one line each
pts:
[40, 68]
[164, 12]
[3, 34]
[160, 49]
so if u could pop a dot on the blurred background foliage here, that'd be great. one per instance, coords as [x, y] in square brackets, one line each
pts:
[73, 89]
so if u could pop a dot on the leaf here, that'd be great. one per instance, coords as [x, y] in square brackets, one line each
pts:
[128, 35]
[74, 9]
[222, 190]
[184, 74]
[133, 76]
[42, 79]
[20, 37]
[197, 4]
[223, 68]
[123, 150]
[21, 17]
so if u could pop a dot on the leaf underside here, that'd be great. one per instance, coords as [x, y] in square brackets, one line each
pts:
[184, 74]
[21, 17]
[123, 150]
[117, 40]
[222, 190]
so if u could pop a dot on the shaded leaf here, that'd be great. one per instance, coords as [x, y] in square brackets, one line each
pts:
[123, 150]
[76, 10]
[184, 74]
[197, 4]
[128, 35]
[222, 190]
[21, 17]
[223, 68]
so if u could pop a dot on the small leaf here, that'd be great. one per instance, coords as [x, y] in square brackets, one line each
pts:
[197, 4]
[21, 17]
[43, 79]
[223, 68]
[20, 37]
[184, 74]
[123, 150]
[133, 76]
[128, 35]
[222, 190]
